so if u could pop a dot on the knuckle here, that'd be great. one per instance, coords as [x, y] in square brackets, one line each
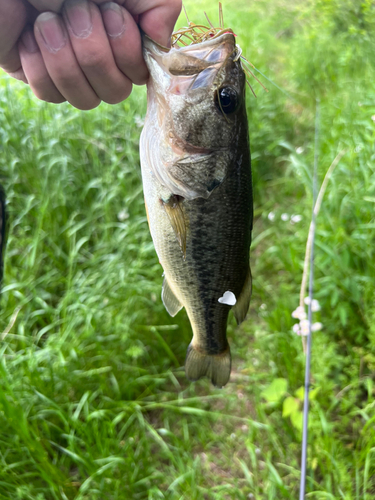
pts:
[65, 81]
[18, 75]
[41, 84]
[93, 60]
[69, 88]
[45, 90]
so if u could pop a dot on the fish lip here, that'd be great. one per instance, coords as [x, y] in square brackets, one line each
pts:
[151, 45]
[156, 48]
[208, 43]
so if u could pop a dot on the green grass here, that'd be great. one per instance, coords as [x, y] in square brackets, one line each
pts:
[94, 403]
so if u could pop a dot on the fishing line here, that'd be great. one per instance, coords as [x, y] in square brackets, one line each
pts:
[273, 83]
[309, 337]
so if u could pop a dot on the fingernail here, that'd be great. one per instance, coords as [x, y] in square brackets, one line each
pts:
[29, 42]
[51, 29]
[113, 19]
[78, 15]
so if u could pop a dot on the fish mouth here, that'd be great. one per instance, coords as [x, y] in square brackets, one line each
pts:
[155, 47]
[190, 60]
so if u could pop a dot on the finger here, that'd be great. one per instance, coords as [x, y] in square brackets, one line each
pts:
[19, 75]
[157, 17]
[13, 15]
[125, 41]
[57, 5]
[61, 63]
[35, 70]
[93, 51]
[47, 5]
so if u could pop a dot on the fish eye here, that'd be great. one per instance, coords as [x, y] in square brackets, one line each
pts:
[226, 99]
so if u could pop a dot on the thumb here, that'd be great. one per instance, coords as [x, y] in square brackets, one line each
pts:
[158, 22]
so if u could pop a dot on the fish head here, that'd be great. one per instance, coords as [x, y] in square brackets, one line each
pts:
[199, 90]
[196, 100]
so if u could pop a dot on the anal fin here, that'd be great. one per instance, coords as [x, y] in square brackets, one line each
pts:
[170, 301]
[243, 301]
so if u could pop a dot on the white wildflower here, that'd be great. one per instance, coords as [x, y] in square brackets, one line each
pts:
[295, 219]
[315, 306]
[123, 215]
[315, 327]
[299, 313]
[358, 148]
[139, 121]
[373, 118]
[284, 217]
[297, 329]
[263, 307]
[271, 216]
[300, 150]
[305, 327]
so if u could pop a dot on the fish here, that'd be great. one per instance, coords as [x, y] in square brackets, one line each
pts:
[196, 172]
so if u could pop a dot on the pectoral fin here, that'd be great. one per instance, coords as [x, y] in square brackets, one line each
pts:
[170, 301]
[243, 301]
[177, 219]
[199, 177]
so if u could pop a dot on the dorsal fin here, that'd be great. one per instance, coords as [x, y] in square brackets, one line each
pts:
[243, 301]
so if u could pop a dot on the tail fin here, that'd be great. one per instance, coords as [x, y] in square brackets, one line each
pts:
[214, 366]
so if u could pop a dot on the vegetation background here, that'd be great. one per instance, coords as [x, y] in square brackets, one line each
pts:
[94, 403]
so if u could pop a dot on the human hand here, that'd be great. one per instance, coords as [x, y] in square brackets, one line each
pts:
[81, 51]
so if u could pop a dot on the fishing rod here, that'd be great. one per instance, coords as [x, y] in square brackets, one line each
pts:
[309, 316]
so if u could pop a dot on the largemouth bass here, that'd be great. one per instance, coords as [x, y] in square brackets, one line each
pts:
[196, 171]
